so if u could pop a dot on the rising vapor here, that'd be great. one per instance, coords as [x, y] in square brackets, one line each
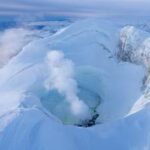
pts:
[61, 78]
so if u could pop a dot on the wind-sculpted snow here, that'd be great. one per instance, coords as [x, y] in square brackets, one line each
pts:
[43, 84]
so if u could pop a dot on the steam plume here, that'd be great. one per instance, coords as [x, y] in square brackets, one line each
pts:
[61, 78]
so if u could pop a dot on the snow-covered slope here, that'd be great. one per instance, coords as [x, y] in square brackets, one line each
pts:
[39, 93]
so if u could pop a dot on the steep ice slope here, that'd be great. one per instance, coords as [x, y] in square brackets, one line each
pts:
[134, 48]
[106, 85]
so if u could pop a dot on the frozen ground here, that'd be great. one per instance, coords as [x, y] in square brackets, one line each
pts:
[58, 82]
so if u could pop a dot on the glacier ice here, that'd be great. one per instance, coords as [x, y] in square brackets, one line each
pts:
[31, 116]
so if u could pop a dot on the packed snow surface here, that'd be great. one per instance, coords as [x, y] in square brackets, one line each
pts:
[56, 83]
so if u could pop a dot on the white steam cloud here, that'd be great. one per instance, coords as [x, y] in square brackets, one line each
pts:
[12, 41]
[61, 78]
